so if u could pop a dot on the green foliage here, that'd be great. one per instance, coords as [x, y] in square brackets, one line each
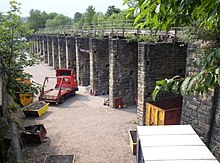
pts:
[77, 17]
[140, 38]
[162, 15]
[37, 19]
[59, 20]
[88, 15]
[203, 19]
[112, 10]
[13, 49]
[169, 85]
[208, 77]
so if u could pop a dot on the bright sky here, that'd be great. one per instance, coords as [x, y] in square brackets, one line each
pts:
[66, 7]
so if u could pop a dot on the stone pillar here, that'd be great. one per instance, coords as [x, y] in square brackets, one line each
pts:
[38, 44]
[62, 51]
[82, 61]
[31, 47]
[45, 49]
[99, 66]
[215, 133]
[49, 50]
[71, 53]
[35, 43]
[1, 89]
[157, 61]
[197, 111]
[122, 72]
[42, 45]
[55, 59]
[202, 112]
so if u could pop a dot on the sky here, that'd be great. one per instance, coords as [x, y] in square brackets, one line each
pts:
[66, 7]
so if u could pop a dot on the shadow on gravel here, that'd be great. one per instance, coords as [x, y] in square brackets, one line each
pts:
[129, 109]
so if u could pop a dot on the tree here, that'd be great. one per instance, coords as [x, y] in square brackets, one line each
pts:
[88, 16]
[77, 17]
[165, 14]
[13, 50]
[52, 15]
[37, 19]
[112, 10]
[59, 20]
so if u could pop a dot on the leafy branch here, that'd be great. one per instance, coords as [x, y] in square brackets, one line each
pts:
[200, 82]
[13, 50]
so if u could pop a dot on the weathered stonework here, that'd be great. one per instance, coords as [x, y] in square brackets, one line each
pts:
[215, 133]
[62, 51]
[45, 54]
[157, 61]
[49, 50]
[82, 61]
[35, 43]
[196, 110]
[1, 95]
[55, 59]
[122, 71]
[10, 147]
[41, 45]
[199, 111]
[99, 66]
[71, 53]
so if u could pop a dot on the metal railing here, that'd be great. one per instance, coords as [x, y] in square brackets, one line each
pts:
[105, 28]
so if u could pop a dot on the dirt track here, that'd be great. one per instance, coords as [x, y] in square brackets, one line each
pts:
[82, 126]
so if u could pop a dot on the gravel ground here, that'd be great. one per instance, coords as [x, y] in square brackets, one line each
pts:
[83, 126]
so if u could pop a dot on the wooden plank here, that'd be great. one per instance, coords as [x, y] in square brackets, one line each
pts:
[166, 130]
[168, 153]
[170, 140]
[52, 93]
[84, 50]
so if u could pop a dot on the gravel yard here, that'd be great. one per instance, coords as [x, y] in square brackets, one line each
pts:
[83, 126]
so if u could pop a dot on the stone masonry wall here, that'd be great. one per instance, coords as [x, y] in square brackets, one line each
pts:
[157, 61]
[45, 54]
[71, 53]
[41, 45]
[55, 59]
[10, 146]
[122, 71]
[82, 61]
[49, 50]
[35, 44]
[62, 51]
[99, 66]
[198, 111]
[215, 136]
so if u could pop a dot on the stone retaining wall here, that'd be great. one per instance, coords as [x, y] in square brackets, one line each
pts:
[82, 61]
[62, 51]
[123, 71]
[71, 53]
[99, 66]
[49, 50]
[55, 58]
[157, 61]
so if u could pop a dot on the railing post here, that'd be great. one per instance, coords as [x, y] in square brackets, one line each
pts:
[112, 29]
[123, 29]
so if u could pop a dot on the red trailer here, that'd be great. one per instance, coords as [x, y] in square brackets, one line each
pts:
[65, 85]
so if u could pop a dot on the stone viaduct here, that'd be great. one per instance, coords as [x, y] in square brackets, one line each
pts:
[128, 71]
